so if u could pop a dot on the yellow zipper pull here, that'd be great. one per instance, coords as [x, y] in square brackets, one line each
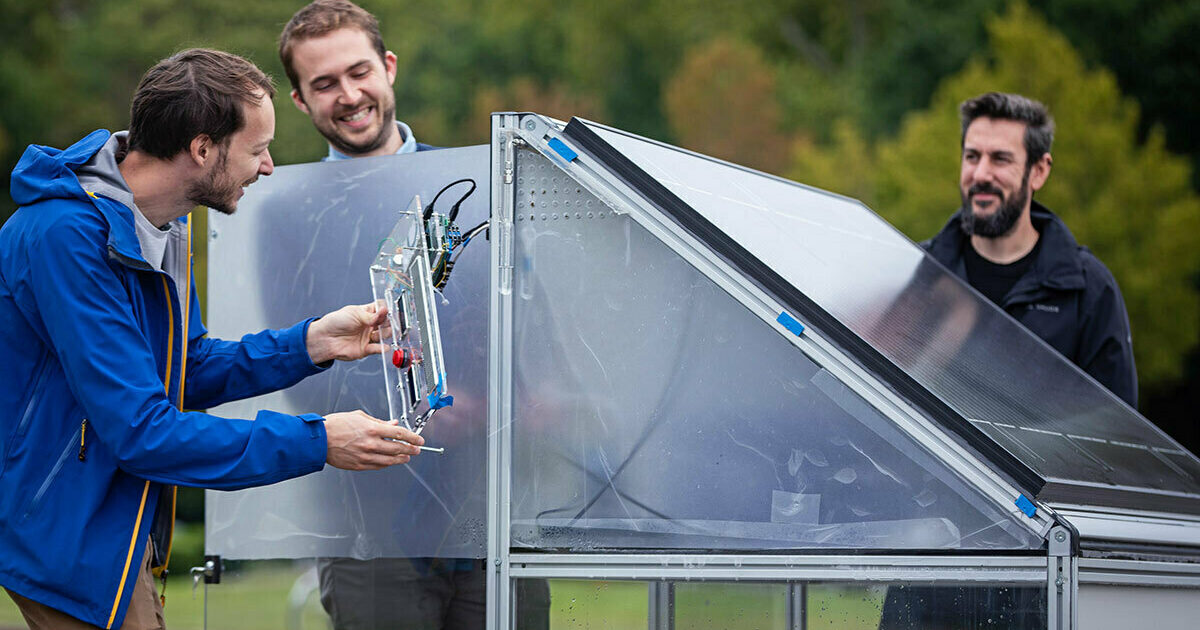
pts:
[162, 598]
[82, 443]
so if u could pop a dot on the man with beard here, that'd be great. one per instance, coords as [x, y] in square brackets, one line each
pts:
[1021, 256]
[342, 75]
[100, 328]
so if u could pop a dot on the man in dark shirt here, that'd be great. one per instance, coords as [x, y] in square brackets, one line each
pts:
[1020, 255]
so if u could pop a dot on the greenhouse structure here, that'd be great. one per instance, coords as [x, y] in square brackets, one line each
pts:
[693, 395]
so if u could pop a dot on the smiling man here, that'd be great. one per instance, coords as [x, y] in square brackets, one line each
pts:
[104, 349]
[342, 77]
[1021, 256]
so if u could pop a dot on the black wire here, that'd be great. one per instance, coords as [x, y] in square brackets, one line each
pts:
[453, 209]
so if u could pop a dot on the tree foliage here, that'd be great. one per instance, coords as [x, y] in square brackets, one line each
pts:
[1130, 203]
[715, 81]
[857, 96]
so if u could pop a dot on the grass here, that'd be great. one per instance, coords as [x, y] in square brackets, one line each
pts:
[596, 605]
[255, 597]
[250, 600]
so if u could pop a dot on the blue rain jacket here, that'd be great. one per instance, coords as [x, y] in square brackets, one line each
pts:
[97, 361]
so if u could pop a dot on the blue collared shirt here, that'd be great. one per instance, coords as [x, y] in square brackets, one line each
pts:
[409, 146]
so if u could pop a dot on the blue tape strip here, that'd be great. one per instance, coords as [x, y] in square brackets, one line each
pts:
[1026, 506]
[562, 149]
[437, 400]
[790, 323]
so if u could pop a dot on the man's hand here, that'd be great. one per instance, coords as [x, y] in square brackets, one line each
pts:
[357, 441]
[348, 334]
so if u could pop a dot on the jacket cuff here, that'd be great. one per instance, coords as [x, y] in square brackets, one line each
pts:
[297, 346]
[317, 441]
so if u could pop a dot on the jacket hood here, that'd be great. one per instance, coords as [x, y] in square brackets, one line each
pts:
[45, 173]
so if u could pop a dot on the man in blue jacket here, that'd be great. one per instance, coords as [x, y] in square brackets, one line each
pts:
[103, 349]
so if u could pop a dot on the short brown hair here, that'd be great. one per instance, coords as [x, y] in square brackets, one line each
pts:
[322, 17]
[193, 92]
[1039, 125]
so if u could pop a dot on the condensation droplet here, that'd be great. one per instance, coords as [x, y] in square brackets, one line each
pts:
[846, 475]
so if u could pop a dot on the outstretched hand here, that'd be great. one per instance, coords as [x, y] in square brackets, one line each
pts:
[347, 334]
[356, 441]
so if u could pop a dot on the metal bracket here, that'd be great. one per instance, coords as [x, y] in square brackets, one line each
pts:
[1060, 542]
[210, 572]
[1062, 580]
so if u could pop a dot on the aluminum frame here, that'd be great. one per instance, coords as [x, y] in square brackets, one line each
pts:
[1138, 573]
[510, 130]
[536, 131]
[1027, 570]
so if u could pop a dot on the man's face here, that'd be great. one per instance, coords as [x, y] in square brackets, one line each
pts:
[239, 161]
[346, 89]
[994, 180]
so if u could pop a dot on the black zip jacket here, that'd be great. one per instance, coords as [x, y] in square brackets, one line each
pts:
[1068, 298]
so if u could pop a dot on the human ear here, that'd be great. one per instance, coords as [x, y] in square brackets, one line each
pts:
[389, 66]
[200, 149]
[1040, 172]
[298, 101]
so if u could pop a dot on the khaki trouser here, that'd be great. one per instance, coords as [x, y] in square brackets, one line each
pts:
[144, 612]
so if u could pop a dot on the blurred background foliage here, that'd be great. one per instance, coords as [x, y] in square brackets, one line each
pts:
[858, 97]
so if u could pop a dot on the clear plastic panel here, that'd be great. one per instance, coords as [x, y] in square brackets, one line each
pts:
[587, 604]
[950, 340]
[300, 246]
[652, 410]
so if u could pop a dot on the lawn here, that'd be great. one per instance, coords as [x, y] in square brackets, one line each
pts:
[256, 596]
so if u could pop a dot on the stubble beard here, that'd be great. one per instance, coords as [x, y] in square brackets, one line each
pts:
[344, 146]
[216, 190]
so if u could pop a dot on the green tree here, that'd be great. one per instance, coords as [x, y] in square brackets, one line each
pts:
[1130, 203]
[722, 101]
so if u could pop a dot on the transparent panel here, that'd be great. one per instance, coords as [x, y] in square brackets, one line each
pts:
[652, 410]
[413, 368]
[587, 604]
[299, 246]
[705, 605]
[1108, 607]
[885, 289]
[916, 607]
[250, 596]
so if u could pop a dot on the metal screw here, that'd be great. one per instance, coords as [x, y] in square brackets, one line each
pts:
[212, 234]
[497, 561]
[1060, 536]
[530, 124]
[1060, 581]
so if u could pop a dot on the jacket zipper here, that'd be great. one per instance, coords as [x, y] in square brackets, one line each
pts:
[82, 440]
[37, 498]
[38, 381]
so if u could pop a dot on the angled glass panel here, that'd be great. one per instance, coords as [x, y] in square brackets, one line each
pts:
[653, 411]
[928, 323]
[300, 246]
